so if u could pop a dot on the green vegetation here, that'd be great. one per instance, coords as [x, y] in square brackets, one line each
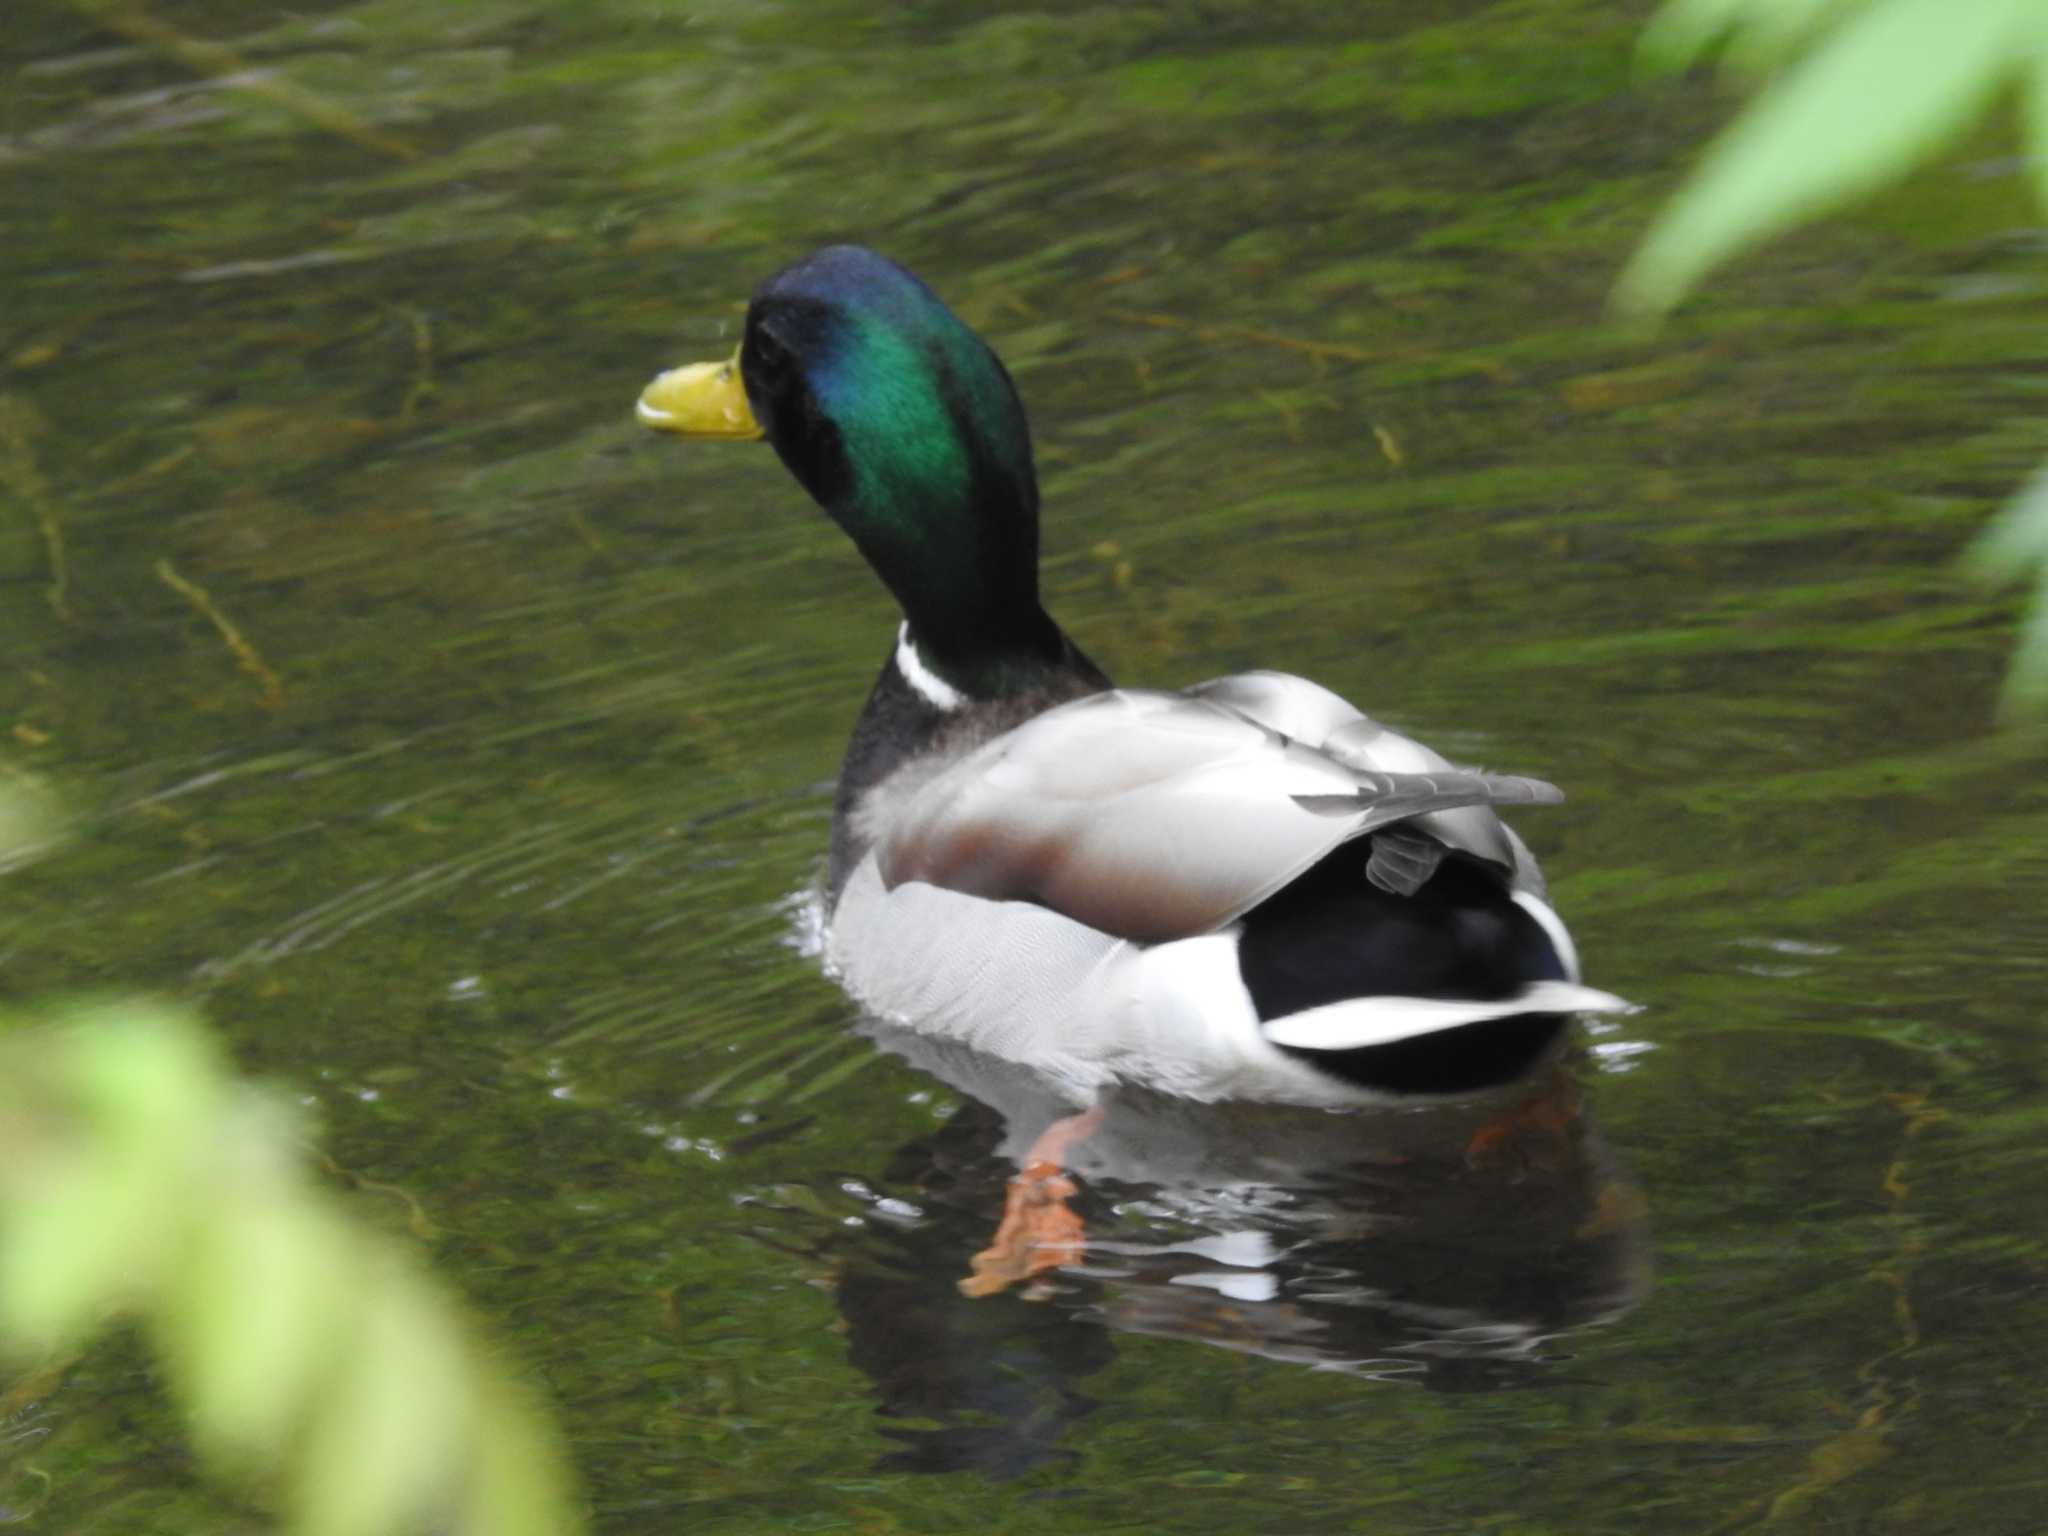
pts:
[1857, 93]
[314, 1361]
[312, 1356]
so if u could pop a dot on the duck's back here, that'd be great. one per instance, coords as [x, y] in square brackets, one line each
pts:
[1155, 887]
[913, 727]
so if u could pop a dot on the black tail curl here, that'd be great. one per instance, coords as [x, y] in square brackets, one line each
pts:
[1333, 935]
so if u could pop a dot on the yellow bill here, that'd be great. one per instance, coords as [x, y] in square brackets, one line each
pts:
[700, 400]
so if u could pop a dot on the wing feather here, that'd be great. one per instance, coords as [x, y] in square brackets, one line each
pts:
[1157, 816]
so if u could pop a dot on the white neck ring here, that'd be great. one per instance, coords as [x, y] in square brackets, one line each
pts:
[931, 687]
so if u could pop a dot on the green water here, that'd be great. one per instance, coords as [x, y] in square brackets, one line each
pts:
[487, 829]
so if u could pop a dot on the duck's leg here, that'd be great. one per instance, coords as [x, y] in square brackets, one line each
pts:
[1533, 1128]
[1038, 1231]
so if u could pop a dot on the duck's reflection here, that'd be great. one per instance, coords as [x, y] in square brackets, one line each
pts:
[1452, 1247]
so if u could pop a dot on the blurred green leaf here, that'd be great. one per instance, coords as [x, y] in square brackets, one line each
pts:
[2013, 547]
[1760, 34]
[2017, 539]
[1873, 99]
[96, 1213]
[2034, 118]
[2025, 695]
[251, 1328]
[310, 1354]
[1880, 94]
[397, 1405]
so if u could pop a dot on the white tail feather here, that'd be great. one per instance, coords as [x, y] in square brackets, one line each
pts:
[1365, 1021]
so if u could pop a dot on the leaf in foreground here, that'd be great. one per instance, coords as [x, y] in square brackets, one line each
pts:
[311, 1355]
[1875, 98]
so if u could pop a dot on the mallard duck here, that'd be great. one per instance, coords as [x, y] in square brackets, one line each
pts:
[1242, 890]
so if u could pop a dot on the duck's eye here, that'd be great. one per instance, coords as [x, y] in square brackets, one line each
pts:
[765, 353]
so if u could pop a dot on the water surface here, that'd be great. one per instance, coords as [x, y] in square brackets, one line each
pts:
[466, 752]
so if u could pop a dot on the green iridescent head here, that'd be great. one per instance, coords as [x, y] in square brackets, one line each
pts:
[905, 427]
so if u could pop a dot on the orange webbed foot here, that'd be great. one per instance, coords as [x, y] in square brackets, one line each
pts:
[1039, 1231]
[1522, 1130]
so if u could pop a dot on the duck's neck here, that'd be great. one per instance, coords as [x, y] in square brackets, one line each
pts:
[968, 586]
[957, 657]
